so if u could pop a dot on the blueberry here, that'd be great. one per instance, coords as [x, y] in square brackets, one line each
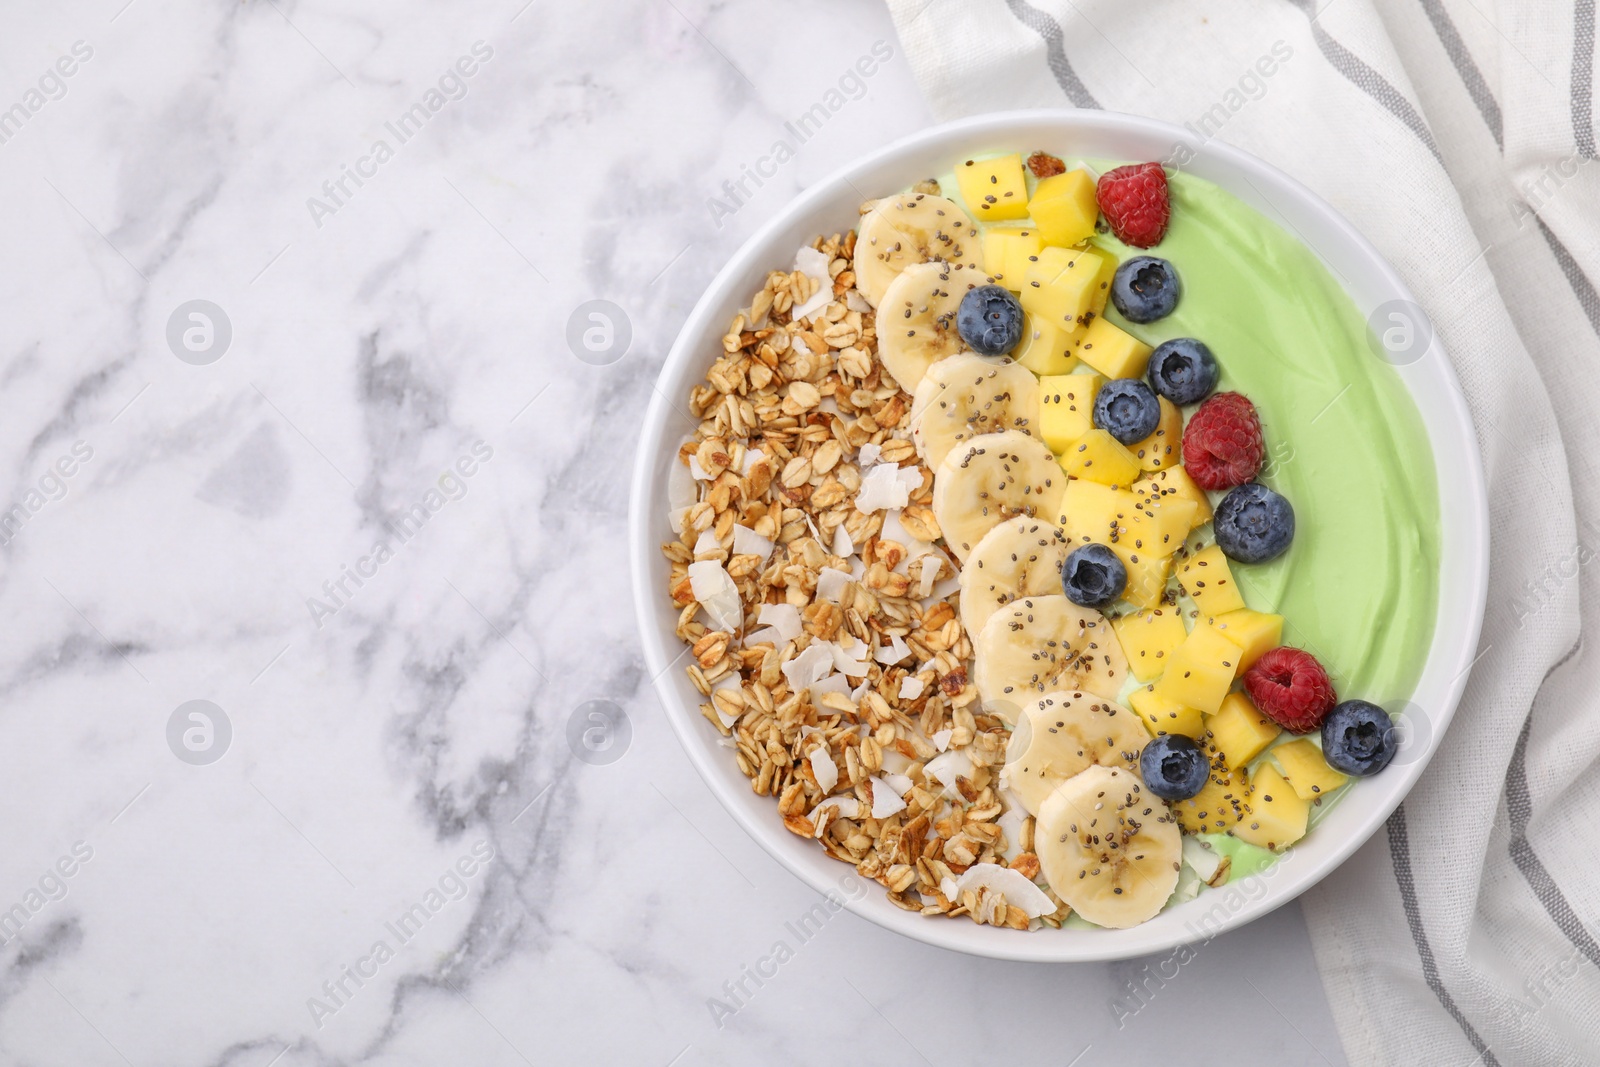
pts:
[1253, 524]
[1358, 738]
[1145, 289]
[1173, 767]
[989, 320]
[1183, 370]
[1127, 410]
[1093, 576]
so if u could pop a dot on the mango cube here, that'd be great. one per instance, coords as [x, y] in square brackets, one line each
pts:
[1147, 576]
[1157, 528]
[1255, 632]
[1307, 773]
[1066, 403]
[1239, 731]
[994, 189]
[1100, 290]
[1046, 351]
[1164, 447]
[1148, 637]
[1219, 806]
[1007, 250]
[1208, 580]
[1060, 285]
[1278, 814]
[1064, 207]
[1099, 457]
[1094, 512]
[1174, 483]
[1200, 671]
[1114, 352]
[1162, 716]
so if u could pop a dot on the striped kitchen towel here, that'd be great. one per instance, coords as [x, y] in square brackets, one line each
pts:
[1459, 136]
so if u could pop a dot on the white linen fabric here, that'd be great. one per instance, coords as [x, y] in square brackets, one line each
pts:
[1459, 136]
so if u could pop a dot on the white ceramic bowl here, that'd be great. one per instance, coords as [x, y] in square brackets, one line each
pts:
[830, 207]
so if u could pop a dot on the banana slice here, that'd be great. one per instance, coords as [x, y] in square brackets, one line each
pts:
[970, 395]
[917, 320]
[1043, 644]
[899, 231]
[990, 478]
[1109, 848]
[1062, 734]
[1020, 557]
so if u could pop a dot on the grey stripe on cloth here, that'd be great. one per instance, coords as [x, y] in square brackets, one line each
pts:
[1477, 88]
[1519, 805]
[1583, 76]
[1366, 79]
[1582, 287]
[1047, 27]
[1400, 854]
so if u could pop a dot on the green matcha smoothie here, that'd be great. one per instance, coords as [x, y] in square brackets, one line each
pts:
[1358, 587]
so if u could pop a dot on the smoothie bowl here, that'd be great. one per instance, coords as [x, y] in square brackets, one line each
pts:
[1041, 531]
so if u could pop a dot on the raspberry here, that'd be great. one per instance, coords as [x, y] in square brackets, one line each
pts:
[1290, 687]
[1222, 445]
[1134, 201]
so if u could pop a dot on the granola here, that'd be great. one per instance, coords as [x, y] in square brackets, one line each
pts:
[836, 707]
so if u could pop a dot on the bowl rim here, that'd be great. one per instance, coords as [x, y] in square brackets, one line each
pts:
[752, 260]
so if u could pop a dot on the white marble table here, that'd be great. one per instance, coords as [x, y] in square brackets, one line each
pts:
[370, 508]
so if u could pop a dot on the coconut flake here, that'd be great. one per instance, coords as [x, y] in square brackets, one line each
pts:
[824, 769]
[941, 738]
[869, 455]
[848, 806]
[833, 683]
[809, 667]
[1011, 884]
[951, 891]
[708, 545]
[941, 589]
[698, 472]
[910, 689]
[767, 635]
[860, 691]
[843, 547]
[1204, 861]
[895, 761]
[675, 519]
[898, 782]
[885, 801]
[746, 542]
[784, 618]
[831, 582]
[814, 265]
[1010, 823]
[717, 594]
[929, 567]
[946, 768]
[882, 490]
[856, 302]
[892, 653]
[752, 456]
[681, 491]
[849, 658]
